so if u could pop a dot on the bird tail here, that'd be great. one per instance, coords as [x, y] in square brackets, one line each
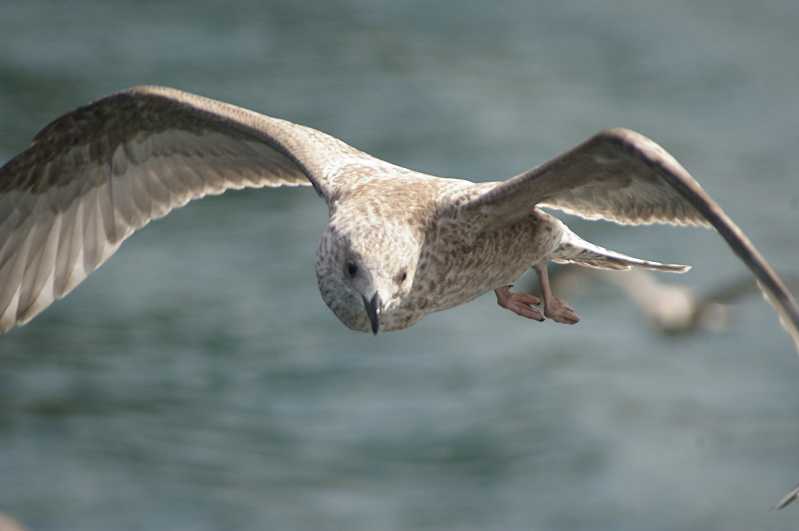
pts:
[573, 249]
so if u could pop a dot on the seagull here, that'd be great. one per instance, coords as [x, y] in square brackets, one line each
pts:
[399, 244]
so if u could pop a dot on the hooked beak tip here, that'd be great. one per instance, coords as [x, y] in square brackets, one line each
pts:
[374, 308]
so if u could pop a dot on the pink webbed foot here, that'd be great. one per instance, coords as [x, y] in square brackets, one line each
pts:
[520, 303]
[560, 312]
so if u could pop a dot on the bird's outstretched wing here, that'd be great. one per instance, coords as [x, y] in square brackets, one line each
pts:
[617, 175]
[621, 176]
[100, 172]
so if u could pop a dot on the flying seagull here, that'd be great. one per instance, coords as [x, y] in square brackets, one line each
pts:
[399, 244]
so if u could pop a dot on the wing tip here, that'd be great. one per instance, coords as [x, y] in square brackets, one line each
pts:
[787, 499]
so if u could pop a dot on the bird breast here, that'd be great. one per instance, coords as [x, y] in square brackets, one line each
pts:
[457, 265]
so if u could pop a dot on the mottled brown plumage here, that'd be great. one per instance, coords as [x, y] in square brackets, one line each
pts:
[399, 244]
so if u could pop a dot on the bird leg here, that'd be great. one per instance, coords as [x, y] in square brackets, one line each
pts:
[524, 303]
[554, 308]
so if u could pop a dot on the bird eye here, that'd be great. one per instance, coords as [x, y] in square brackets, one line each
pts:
[352, 268]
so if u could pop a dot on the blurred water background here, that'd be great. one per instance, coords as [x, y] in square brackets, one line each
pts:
[198, 382]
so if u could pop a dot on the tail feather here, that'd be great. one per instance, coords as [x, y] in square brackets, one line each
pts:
[578, 251]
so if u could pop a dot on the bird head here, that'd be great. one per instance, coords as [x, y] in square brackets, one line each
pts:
[365, 273]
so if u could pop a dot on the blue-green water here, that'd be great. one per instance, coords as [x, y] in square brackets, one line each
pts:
[198, 382]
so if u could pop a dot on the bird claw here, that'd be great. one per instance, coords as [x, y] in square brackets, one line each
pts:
[561, 312]
[519, 303]
[524, 304]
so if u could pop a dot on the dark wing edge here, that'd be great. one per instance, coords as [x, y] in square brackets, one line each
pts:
[95, 175]
[622, 176]
[772, 287]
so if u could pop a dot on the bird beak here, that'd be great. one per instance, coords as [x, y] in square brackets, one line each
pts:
[374, 308]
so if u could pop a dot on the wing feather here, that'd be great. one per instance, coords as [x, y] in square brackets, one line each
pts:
[617, 175]
[40, 267]
[70, 248]
[97, 174]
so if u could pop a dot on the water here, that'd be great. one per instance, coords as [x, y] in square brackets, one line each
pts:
[197, 381]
